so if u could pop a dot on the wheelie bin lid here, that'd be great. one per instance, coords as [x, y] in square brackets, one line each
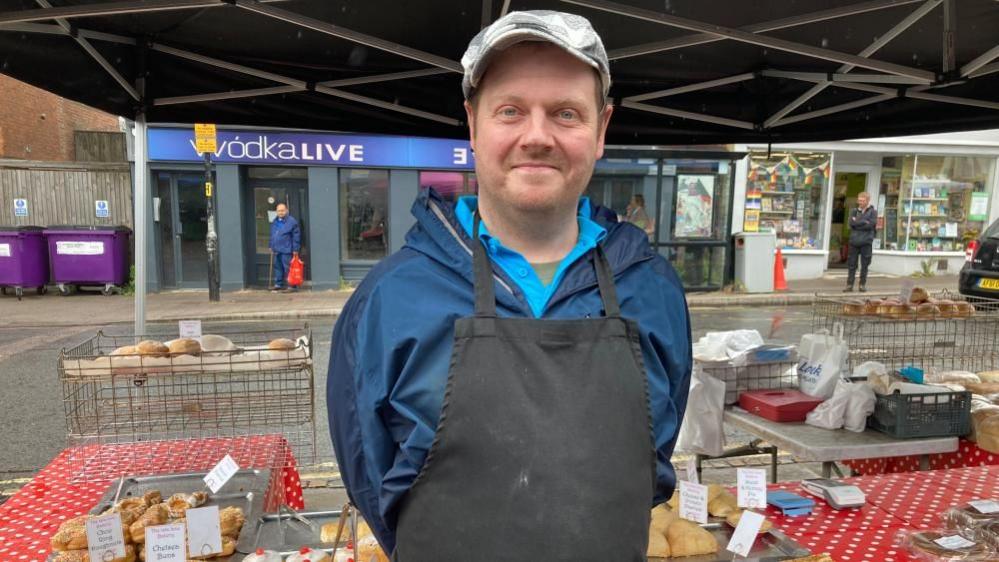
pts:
[84, 228]
[21, 228]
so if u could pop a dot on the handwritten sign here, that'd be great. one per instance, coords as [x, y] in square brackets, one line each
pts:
[752, 487]
[105, 540]
[190, 329]
[166, 543]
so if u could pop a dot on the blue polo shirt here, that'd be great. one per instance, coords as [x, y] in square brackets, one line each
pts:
[518, 268]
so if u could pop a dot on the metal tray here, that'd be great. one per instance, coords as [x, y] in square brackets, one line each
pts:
[266, 532]
[246, 490]
[772, 546]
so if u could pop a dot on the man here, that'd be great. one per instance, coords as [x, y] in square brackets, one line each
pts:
[863, 223]
[286, 242]
[510, 384]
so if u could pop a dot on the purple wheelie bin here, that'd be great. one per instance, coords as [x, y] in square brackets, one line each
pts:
[88, 256]
[24, 259]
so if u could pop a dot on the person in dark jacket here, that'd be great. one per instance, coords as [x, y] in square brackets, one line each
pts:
[286, 242]
[518, 371]
[863, 224]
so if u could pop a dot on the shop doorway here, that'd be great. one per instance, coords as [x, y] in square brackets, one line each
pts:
[615, 193]
[845, 190]
[265, 188]
[181, 215]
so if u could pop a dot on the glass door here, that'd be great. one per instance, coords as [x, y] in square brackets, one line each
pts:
[182, 229]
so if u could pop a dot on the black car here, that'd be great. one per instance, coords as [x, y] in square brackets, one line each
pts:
[980, 274]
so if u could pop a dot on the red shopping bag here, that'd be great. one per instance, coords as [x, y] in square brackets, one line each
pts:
[296, 272]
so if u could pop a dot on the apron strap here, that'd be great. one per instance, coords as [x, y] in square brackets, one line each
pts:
[485, 295]
[605, 279]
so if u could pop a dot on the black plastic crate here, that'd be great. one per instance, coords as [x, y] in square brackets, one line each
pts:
[940, 414]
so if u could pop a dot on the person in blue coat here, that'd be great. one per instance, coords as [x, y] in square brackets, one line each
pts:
[510, 384]
[285, 243]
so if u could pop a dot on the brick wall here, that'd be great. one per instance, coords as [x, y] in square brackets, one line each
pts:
[38, 125]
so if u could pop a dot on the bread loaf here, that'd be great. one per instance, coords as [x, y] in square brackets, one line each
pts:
[987, 434]
[185, 346]
[281, 344]
[126, 350]
[153, 348]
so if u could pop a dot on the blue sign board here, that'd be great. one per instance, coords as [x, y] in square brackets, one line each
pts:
[101, 207]
[20, 207]
[314, 149]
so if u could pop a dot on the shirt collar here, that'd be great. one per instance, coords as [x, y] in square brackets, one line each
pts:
[590, 233]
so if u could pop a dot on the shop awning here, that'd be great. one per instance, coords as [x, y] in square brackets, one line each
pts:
[684, 72]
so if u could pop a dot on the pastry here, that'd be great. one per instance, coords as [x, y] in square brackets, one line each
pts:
[126, 350]
[307, 553]
[368, 550]
[72, 534]
[185, 346]
[924, 543]
[228, 548]
[689, 539]
[918, 295]
[282, 344]
[178, 504]
[661, 519]
[723, 505]
[658, 545]
[734, 517]
[152, 348]
[854, 308]
[231, 520]
[152, 497]
[927, 310]
[871, 307]
[158, 514]
[84, 556]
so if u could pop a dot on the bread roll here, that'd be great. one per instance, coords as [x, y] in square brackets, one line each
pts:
[919, 295]
[211, 343]
[185, 346]
[153, 348]
[734, 518]
[987, 434]
[84, 556]
[689, 539]
[158, 514]
[281, 344]
[948, 308]
[126, 350]
[853, 308]
[927, 310]
[231, 520]
[871, 307]
[72, 534]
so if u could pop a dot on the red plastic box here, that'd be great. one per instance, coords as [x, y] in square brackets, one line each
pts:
[778, 405]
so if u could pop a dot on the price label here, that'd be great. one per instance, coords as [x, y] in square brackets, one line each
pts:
[985, 506]
[190, 329]
[692, 470]
[954, 542]
[105, 540]
[745, 533]
[752, 487]
[694, 502]
[166, 543]
[905, 293]
[204, 532]
[221, 474]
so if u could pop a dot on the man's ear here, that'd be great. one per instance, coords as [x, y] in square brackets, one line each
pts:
[470, 116]
[602, 123]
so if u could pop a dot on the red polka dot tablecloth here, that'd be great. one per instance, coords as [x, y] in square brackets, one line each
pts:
[968, 454]
[69, 487]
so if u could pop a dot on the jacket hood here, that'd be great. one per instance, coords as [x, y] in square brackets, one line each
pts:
[438, 235]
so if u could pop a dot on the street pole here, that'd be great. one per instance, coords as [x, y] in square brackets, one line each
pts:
[211, 239]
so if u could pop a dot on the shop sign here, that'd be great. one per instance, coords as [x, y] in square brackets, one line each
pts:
[20, 207]
[313, 149]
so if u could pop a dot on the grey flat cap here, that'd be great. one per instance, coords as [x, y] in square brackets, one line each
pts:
[569, 31]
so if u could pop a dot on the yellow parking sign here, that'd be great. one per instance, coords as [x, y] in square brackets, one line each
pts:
[204, 137]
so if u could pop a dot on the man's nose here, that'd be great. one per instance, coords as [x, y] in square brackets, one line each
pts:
[538, 133]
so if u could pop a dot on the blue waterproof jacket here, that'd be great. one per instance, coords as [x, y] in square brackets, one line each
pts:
[392, 345]
[286, 236]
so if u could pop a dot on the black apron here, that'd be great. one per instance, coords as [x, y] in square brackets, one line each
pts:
[544, 447]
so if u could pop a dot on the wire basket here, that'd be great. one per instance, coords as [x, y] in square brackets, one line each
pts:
[755, 376]
[943, 342]
[124, 412]
[939, 414]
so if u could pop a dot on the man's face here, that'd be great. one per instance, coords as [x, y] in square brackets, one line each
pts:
[863, 200]
[282, 211]
[536, 128]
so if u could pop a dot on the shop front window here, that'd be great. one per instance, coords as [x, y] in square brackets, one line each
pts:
[934, 203]
[450, 185]
[364, 214]
[786, 194]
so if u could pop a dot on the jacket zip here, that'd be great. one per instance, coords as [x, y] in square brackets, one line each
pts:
[454, 233]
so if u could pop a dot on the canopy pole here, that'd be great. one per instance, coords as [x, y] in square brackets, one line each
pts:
[141, 198]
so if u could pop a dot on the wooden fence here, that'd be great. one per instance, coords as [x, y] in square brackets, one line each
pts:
[59, 193]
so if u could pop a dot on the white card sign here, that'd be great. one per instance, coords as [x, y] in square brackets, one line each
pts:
[204, 532]
[190, 329]
[4, 250]
[105, 540]
[221, 474]
[745, 533]
[954, 542]
[68, 248]
[694, 502]
[985, 506]
[692, 470]
[752, 487]
[166, 543]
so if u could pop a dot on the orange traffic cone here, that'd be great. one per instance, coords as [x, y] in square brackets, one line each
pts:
[780, 284]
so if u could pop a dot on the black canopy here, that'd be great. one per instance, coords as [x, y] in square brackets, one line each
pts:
[685, 71]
